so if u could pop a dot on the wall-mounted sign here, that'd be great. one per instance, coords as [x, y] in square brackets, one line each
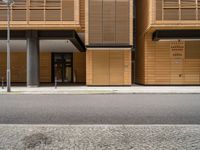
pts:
[177, 50]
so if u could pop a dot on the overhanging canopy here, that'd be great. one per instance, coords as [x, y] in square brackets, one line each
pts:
[159, 35]
[47, 35]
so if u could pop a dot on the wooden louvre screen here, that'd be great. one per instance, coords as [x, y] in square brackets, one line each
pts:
[3, 11]
[68, 10]
[95, 21]
[109, 22]
[37, 10]
[19, 10]
[188, 14]
[122, 20]
[53, 10]
[40, 10]
[159, 10]
[177, 9]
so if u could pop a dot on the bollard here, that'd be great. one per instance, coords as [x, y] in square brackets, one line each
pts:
[55, 82]
[2, 83]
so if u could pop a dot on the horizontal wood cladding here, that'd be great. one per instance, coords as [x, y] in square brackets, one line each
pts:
[108, 67]
[18, 66]
[79, 66]
[45, 67]
[34, 13]
[109, 22]
[160, 68]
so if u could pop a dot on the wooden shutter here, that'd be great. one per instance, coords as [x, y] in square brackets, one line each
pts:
[188, 3]
[36, 10]
[109, 22]
[188, 14]
[171, 14]
[53, 10]
[3, 11]
[19, 11]
[158, 9]
[122, 21]
[68, 10]
[95, 21]
[171, 3]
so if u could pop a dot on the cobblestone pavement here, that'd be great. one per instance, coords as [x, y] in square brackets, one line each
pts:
[99, 137]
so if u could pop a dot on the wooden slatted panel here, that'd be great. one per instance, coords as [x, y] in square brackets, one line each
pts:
[188, 3]
[192, 50]
[36, 10]
[53, 3]
[198, 14]
[45, 67]
[53, 10]
[95, 21]
[3, 11]
[188, 14]
[122, 21]
[109, 26]
[171, 3]
[171, 14]
[18, 66]
[116, 62]
[191, 71]
[162, 69]
[100, 75]
[3, 16]
[108, 67]
[68, 10]
[3, 65]
[159, 10]
[82, 14]
[79, 66]
[36, 15]
[19, 10]
[53, 15]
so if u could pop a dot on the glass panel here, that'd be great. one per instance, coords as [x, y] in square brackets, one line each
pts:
[68, 74]
[58, 72]
[57, 58]
[67, 58]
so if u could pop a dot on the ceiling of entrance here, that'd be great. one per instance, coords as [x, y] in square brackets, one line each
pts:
[45, 45]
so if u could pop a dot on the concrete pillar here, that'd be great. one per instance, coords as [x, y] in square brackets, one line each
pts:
[33, 55]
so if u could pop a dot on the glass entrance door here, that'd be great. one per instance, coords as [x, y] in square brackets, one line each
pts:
[62, 67]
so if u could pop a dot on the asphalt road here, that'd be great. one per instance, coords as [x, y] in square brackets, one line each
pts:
[100, 109]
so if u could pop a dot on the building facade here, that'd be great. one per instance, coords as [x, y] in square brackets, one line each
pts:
[71, 41]
[92, 42]
[168, 45]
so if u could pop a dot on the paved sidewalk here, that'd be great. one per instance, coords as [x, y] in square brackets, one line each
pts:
[103, 90]
[99, 137]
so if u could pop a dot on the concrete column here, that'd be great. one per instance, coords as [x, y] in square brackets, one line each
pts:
[33, 55]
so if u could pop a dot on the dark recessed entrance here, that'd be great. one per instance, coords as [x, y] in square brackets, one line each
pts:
[62, 67]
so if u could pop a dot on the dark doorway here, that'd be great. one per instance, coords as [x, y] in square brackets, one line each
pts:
[62, 67]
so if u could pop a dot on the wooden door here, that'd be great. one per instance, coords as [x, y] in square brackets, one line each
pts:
[177, 73]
